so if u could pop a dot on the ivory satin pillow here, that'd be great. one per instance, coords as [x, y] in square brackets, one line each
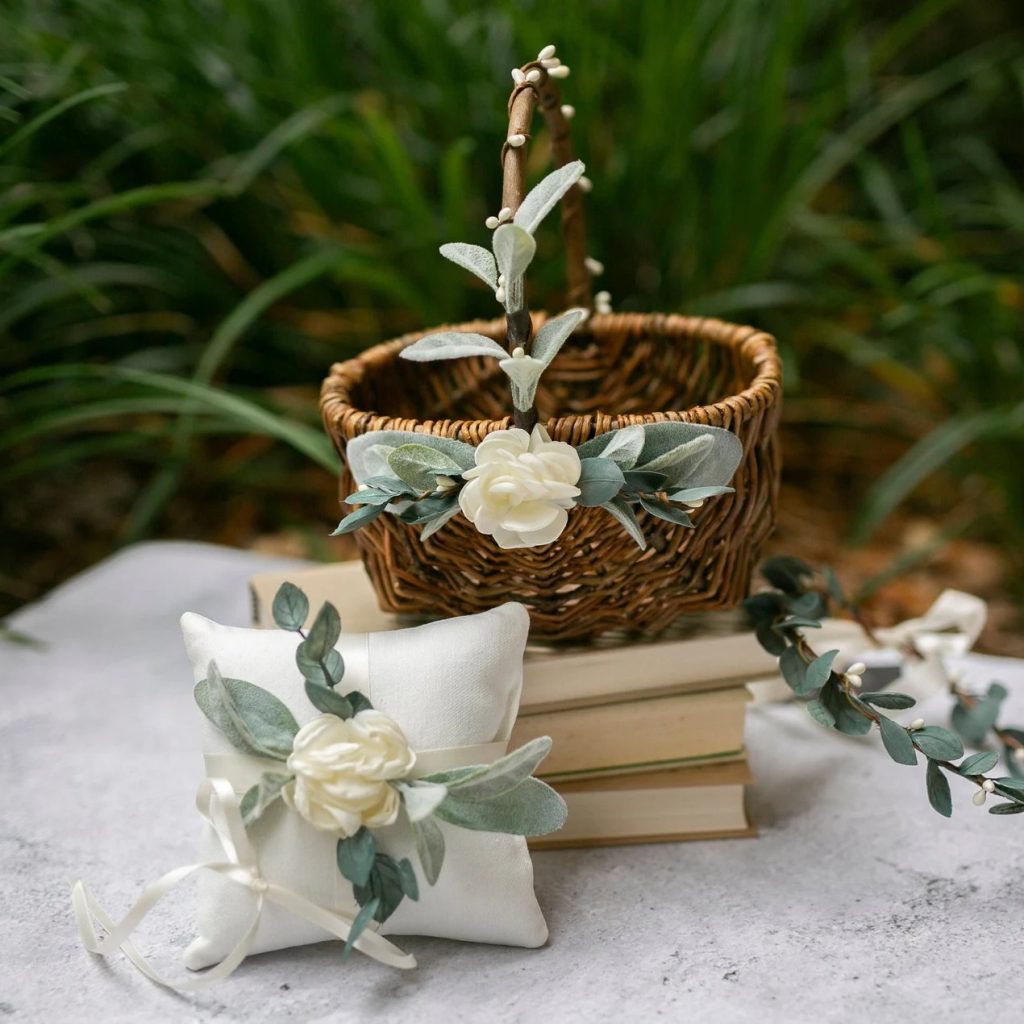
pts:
[447, 684]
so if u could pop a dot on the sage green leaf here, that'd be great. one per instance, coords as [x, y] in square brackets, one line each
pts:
[429, 848]
[979, 764]
[290, 607]
[1012, 785]
[938, 743]
[600, 480]
[1006, 809]
[541, 199]
[897, 741]
[819, 671]
[648, 482]
[327, 671]
[419, 465]
[554, 333]
[426, 510]
[259, 797]
[384, 885]
[354, 520]
[700, 493]
[1014, 766]
[388, 484]
[974, 723]
[370, 496]
[821, 714]
[359, 702]
[683, 459]
[251, 718]
[356, 856]
[366, 914]
[474, 258]
[407, 878]
[531, 809]
[421, 798]
[938, 789]
[488, 781]
[328, 701]
[514, 248]
[524, 373]
[662, 510]
[452, 345]
[885, 699]
[770, 639]
[618, 509]
[361, 453]
[438, 521]
[849, 720]
[623, 446]
[323, 634]
[794, 670]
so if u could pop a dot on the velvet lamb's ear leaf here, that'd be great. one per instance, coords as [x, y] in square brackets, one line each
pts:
[700, 493]
[290, 607]
[524, 373]
[683, 459]
[262, 795]
[554, 334]
[624, 514]
[359, 450]
[600, 480]
[513, 249]
[429, 848]
[252, 719]
[419, 465]
[485, 782]
[623, 446]
[473, 258]
[452, 345]
[421, 798]
[541, 199]
[530, 809]
[716, 466]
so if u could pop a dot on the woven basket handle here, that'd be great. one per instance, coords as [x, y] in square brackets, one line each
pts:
[525, 98]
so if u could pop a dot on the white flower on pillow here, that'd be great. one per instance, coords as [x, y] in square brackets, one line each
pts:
[343, 769]
[521, 487]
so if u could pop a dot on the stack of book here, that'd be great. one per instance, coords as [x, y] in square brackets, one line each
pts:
[648, 737]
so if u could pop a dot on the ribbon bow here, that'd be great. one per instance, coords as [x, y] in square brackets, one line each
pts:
[219, 805]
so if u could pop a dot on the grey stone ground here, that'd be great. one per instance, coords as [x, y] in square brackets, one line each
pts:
[857, 903]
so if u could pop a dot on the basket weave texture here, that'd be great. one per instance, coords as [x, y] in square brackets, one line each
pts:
[614, 372]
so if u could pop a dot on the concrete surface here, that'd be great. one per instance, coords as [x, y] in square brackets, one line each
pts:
[857, 903]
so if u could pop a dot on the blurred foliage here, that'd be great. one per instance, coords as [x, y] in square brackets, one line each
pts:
[203, 204]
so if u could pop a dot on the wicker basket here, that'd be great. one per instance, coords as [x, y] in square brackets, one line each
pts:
[616, 371]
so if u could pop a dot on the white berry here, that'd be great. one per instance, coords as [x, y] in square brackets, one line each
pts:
[548, 51]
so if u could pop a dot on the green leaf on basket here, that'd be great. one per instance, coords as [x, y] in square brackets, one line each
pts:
[681, 461]
[648, 482]
[419, 465]
[885, 699]
[440, 520]
[366, 914]
[354, 520]
[421, 798]
[371, 496]
[541, 199]
[252, 719]
[938, 743]
[530, 809]
[452, 345]
[259, 797]
[514, 249]
[429, 841]
[938, 789]
[897, 741]
[487, 781]
[356, 856]
[363, 453]
[474, 258]
[980, 763]
[700, 493]
[290, 607]
[662, 510]
[600, 480]
[619, 510]
[426, 510]
[623, 446]
[554, 333]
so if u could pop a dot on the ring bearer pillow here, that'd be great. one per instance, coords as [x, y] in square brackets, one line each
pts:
[453, 686]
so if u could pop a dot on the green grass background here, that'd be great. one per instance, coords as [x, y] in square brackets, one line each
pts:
[204, 204]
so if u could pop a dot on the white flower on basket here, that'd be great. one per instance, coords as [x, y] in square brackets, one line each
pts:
[342, 770]
[521, 487]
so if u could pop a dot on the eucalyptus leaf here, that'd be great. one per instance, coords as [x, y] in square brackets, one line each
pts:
[359, 701]
[474, 258]
[848, 720]
[885, 699]
[514, 248]
[259, 797]
[770, 639]
[897, 741]
[618, 509]
[324, 632]
[361, 453]
[426, 510]
[354, 520]
[388, 483]
[794, 670]
[356, 856]
[787, 573]
[429, 841]
[819, 671]
[600, 480]
[325, 671]
[407, 878]
[328, 701]
[438, 521]
[763, 608]
[290, 607]
[700, 493]
[821, 714]
[384, 885]
[554, 333]
[366, 914]
[421, 798]
[1011, 808]
[452, 345]
[488, 781]
[938, 789]
[252, 719]
[542, 198]
[980, 763]
[623, 446]
[663, 510]
[530, 809]
[938, 743]
[419, 465]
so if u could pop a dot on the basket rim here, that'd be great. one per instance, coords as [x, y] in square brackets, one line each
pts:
[343, 420]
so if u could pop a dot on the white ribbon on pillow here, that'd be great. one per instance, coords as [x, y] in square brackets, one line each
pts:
[219, 804]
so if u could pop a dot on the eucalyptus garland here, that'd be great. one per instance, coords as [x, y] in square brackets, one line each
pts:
[798, 600]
